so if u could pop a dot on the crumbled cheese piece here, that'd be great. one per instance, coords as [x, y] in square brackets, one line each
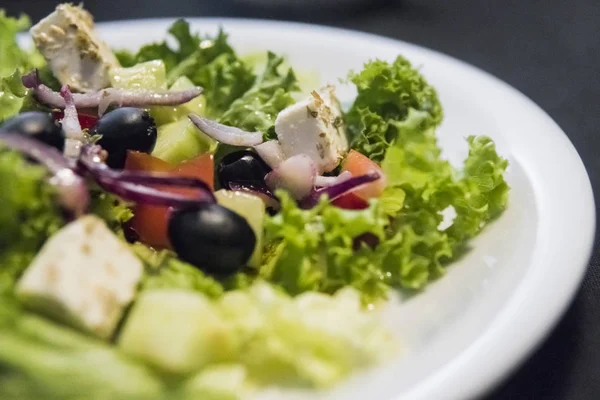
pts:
[84, 275]
[314, 127]
[75, 53]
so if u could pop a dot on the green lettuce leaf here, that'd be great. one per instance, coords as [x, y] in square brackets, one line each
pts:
[208, 61]
[272, 91]
[225, 79]
[13, 62]
[12, 94]
[165, 271]
[481, 194]
[11, 55]
[431, 186]
[186, 42]
[28, 216]
[392, 200]
[386, 95]
[393, 121]
[316, 250]
[110, 208]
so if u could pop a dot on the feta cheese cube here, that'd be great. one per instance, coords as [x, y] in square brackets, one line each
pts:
[84, 275]
[314, 127]
[75, 53]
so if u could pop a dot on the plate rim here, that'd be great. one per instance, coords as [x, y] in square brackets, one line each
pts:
[470, 358]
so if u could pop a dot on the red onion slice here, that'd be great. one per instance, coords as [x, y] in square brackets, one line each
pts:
[271, 153]
[296, 175]
[71, 188]
[106, 97]
[325, 181]
[48, 156]
[337, 190]
[32, 79]
[226, 134]
[132, 186]
[70, 121]
[72, 128]
[148, 195]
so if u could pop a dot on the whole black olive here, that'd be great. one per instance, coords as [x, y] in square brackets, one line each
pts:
[242, 167]
[123, 129]
[38, 125]
[212, 237]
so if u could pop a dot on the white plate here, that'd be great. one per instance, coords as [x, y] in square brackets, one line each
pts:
[469, 329]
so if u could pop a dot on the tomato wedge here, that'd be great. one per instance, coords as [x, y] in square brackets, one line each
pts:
[350, 201]
[137, 161]
[151, 222]
[201, 167]
[358, 164]
[86, 120]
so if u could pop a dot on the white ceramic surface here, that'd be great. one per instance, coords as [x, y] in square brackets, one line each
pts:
[469, 329]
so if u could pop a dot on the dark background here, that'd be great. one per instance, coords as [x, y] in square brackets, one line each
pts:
[549, 50]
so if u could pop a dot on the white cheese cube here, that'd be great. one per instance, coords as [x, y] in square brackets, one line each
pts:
[314, 127]
[84, 275]
[75, 53]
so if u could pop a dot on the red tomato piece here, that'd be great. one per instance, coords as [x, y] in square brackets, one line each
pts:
[86, 121]
[151, 222]
[137, 161]
[359, 164]
[350, 201]
[201, 167]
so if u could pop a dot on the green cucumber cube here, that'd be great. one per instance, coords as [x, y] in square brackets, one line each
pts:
[150, 75]
[181, 141]
[250, 207]
[176, 332]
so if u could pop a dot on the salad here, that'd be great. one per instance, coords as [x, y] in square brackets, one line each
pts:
[178, 223]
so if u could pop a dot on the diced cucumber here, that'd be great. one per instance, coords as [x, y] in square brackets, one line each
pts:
[219, 382]
[164, 115]
[180, 141]
[250, 207]
[176, 332]
[150, 75]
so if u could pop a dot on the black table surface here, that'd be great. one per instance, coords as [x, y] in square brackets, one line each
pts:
[548, 49]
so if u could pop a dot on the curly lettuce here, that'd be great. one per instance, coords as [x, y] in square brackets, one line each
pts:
[28, 216]
[477, 194]
[114, 211]
[326, 248]
[316, 249]
[481, 194]
[272, 91]
[12, 57]
[208, 61]
[163, 270]
[12, 94]
[389, 96]
[13, 61]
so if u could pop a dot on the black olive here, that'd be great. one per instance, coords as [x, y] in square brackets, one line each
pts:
[211, 237]
[124, 129]
[367, 238]
[38, 125]
[242, 167]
